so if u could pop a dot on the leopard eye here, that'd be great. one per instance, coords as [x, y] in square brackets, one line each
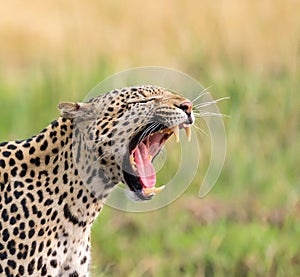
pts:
[143, 100]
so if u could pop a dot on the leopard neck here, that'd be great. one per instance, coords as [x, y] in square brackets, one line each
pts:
[47, 164]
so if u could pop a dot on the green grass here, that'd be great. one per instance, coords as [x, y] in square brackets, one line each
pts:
[247, 226]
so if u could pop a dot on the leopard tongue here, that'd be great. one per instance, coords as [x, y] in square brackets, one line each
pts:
[144, 166]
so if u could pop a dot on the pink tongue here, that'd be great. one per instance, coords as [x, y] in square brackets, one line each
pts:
[144, 166]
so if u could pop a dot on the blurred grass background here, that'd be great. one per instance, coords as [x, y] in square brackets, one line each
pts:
[249, 50]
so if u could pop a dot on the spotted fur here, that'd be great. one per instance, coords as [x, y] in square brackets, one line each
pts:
[53, 185]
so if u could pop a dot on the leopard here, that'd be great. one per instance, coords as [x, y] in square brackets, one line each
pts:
[54, 184]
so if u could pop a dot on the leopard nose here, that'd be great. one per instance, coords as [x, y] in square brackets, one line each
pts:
[186, 106]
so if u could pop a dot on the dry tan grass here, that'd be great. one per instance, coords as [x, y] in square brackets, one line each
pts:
[263, 35]
[257, 211]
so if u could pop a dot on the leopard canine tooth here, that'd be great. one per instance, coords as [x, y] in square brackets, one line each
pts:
[187, 130]
[159, 189]
[152, 191]
[176, 133]
[148, 191]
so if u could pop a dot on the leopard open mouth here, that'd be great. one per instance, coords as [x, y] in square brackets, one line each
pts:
[138, 170]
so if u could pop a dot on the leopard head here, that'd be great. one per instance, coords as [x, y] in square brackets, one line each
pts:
[125, 130]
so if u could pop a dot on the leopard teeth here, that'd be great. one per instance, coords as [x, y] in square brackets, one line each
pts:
[176, 133]
[132, 162]
[159, 189]
[187, 130]
[152, 191]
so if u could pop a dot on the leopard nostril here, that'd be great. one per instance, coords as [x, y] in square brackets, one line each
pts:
[186, 106]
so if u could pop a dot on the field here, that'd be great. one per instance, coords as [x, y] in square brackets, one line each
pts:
[248, 225]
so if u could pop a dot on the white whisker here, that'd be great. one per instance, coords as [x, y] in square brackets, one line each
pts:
[206, 104]
[202, 93]
[206, 114]
[199, 130]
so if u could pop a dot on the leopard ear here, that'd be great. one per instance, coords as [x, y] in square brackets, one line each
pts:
[72, 110]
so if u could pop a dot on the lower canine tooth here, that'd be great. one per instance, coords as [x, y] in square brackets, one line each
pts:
[152, 191]
[159, 189]
[148, 191]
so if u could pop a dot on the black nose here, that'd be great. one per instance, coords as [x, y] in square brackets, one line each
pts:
[186, 106]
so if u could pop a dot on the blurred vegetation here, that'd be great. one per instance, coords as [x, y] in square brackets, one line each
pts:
[249, 50]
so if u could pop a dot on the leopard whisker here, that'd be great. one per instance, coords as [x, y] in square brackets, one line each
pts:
[199, 130]
[202, 93]
[208, 114]
[209, 103]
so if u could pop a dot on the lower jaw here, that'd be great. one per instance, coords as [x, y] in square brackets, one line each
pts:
[134, 184]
